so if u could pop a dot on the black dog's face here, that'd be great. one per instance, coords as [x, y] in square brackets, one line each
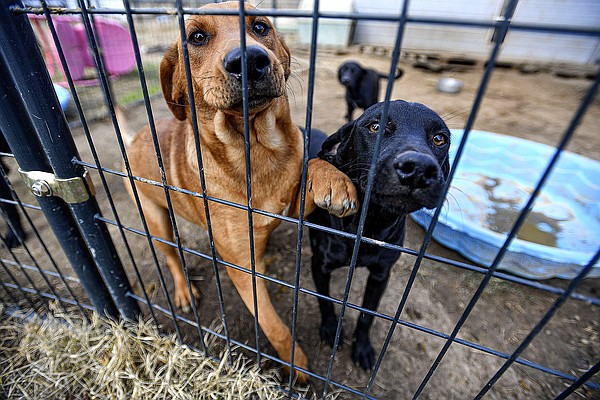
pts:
[350, 72]
[412, 166]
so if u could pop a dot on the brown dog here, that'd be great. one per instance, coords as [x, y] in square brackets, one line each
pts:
[276, 155]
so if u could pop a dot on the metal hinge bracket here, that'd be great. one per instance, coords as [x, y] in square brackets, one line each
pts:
[71, 190]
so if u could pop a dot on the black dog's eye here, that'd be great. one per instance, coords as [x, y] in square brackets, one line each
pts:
[260, 28]
[374, 127]
[198, 38]
[440, 139]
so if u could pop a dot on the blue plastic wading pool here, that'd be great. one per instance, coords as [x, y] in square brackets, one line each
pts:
[493, 182]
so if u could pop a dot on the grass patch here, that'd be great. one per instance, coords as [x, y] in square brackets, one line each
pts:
[137, 95]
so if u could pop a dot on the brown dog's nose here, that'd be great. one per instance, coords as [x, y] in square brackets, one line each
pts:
[258, 63]
[416, 169]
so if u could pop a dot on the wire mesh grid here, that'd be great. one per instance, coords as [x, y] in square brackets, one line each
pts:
[144, 266]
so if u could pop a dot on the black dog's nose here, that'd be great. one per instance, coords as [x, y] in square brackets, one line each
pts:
[258, 63]
[416, 169]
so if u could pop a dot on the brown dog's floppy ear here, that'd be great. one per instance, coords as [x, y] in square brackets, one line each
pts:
[336, 144]
[287, 64]
[173, 83]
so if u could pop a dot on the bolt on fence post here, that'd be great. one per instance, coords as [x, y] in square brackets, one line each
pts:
[23, 62]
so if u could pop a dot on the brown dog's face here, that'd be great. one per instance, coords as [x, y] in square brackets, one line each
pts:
[215, 62]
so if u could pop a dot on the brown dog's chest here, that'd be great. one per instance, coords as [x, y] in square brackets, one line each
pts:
[275, 158]
[275, 173]
[274, 178]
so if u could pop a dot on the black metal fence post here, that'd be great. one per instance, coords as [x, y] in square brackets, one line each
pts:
[29, 154]
[23, 65]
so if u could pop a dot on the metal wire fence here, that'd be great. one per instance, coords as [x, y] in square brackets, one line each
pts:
[85, 230]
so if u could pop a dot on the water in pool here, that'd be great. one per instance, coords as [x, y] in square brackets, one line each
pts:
[496, 203]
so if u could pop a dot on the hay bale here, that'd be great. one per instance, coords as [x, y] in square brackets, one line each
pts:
[65, 357]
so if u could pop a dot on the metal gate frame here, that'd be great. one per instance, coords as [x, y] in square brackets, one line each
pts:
[32, 124]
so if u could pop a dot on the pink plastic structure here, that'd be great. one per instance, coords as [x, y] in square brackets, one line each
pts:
[113, 38]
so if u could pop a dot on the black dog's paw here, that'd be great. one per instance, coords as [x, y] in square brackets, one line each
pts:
[328, 330]
[363, 354]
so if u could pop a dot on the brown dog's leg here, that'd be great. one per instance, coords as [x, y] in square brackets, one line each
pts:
[159, 225]
[278, 333]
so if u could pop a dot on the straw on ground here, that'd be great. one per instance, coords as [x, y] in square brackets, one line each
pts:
[64, 357]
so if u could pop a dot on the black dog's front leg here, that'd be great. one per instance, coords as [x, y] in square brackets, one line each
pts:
[351, 107]
[362, 350]
[329, 320]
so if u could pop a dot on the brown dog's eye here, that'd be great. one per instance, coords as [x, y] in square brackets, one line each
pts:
[198, 38]
[374, 127]
[440, 139]
[260, 28]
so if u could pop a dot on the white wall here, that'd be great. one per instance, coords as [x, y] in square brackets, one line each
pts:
[476, 42]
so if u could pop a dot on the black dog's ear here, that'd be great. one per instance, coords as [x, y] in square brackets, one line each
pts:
[336, 143]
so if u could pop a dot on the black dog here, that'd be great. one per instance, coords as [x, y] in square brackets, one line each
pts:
[410, 173]
[362, 85]
[9, 211]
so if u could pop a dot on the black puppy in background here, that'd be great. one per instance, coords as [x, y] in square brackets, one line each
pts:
[410, 173]
[362, 85]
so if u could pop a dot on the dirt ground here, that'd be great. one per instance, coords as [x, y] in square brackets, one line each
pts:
[535, 106]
